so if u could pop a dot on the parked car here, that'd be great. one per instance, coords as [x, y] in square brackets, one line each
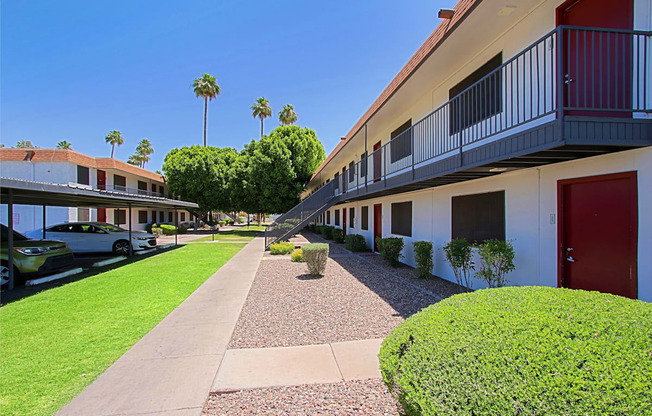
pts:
[32, 256]
[91, 237]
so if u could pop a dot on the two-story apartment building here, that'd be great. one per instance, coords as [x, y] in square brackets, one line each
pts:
[68, 167]
[529, 121]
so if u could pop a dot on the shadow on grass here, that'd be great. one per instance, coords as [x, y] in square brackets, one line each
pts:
[81, 260]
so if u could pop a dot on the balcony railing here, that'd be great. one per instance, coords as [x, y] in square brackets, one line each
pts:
[570, 72]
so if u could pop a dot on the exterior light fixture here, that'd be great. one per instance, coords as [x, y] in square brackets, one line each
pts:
[446, 13]
[497, 169]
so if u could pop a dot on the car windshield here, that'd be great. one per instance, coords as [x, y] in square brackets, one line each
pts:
[17, 236]
[110, 227]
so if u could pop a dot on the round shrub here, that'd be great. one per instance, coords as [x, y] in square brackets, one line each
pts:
[327, 231]
[423, 253]
[523, 351]
[355, 242]
[338, 235]
[316, 255]
[390, 249]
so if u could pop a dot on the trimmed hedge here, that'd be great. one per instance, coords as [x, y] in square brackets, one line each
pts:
[523, 351]
[327, 231]
[284, 247]
[167, 229]
[390, 249]
[338, 235]
[355, 242]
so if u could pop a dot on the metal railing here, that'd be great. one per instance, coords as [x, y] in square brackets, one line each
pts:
[130, 191]
[571, 71]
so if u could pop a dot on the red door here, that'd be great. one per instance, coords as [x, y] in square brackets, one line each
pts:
[598, 233]
[344, 220]
[378, 162]
[597, 65]
[378, 223]
[101, 179]
[101, 215]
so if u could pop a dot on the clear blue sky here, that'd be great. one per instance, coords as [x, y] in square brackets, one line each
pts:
[74, 70]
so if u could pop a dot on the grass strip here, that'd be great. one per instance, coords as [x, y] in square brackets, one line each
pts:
[55, 343]
[240, 234]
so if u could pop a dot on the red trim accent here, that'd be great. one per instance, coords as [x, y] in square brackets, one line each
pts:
[561, 244]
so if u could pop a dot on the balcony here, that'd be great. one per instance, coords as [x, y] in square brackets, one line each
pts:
[576, 92]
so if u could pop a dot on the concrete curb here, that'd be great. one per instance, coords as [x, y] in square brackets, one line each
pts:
[52, 277]
[108, 261]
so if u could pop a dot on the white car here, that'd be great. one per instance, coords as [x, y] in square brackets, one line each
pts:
[90, 237]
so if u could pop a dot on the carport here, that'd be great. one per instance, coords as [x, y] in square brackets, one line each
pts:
[20, 192]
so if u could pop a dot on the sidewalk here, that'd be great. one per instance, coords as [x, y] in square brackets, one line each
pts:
[170, 371]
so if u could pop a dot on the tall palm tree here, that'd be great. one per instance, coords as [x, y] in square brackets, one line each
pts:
[262, 110]
[206, 86]
[287, 115]
[114, 137]
[64, 144]
[143, 150]
[135, 160]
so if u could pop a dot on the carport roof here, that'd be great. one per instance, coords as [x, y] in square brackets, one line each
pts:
[40, 193]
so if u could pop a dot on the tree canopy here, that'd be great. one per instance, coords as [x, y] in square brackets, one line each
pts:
[266, 176]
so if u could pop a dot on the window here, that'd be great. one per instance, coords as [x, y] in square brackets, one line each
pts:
[482, 101]
[142, 187]
[351, 172]
[479, 217]
[83, 176]
[183, 216]
[402, 218]
[328, 217]
[161, 216]
[401, 142]
[336, 179]
[83, 214]
[154, 187]
[170, 217]
[364, 218]
[142, 217]
[352, 217]
[119, 216]
[337, 217]
[120, 182]
[161, 190]
[363, 165]
[153, 216]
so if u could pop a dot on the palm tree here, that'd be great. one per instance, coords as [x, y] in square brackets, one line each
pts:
[114, 137]
[262, 110]
[135, 160]
[143, 150]
[206, 86]
[25, 144]
[287, 115]
[64, 144]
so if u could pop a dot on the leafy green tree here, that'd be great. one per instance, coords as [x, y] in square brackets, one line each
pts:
[63, 144]
[25, 144]
[262, 110]
[206, 87]
[287, 116]
[143, 150]
[114, 137]
[201, 174]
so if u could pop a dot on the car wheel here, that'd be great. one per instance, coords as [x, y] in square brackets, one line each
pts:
[4, 273]
[121, 247]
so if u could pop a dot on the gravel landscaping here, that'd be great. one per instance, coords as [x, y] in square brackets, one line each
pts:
[361, 397]
[352, 301]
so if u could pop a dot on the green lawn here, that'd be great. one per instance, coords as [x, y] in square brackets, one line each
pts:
[57, 342]
[245, 233]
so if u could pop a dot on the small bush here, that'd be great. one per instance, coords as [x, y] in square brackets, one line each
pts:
[222, 223]
[459, 255]
[390, 248]
[319, 229]
[167, 229]
[182, 230]
[297, 256]
[523, 351]
[316, 255]
[496, 260]
[284, 247]
[157, 231]
[328, 232]
[150, 226]
[423, 253]
[338, 235]
[230, 221]
[355, 242]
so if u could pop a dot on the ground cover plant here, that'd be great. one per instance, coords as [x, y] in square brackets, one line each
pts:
[523, 351]
[284, 247]
[55, 343]
[390, 249]
[244, 233]
[316, 255]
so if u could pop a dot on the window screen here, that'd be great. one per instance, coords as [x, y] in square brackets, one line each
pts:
[161, 216]
[83, 176]
[337, 217]
[183, 216]
[170, 217]
[479, 217]
[328, 217]
[352, 217]
[142, 187]
[119, 216]
[401, 142]
[481, 101]
[402, 218]
[364, 218]
[120, 182]
[142, 217]
[154, 187]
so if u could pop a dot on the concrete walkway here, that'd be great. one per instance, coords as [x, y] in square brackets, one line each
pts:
[170, 371]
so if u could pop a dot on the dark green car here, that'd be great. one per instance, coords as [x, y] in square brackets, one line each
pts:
[32, 256]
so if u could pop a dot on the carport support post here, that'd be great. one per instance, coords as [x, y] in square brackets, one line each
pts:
[44, 222]
[10, 237]
[131, 247]
[176, 226]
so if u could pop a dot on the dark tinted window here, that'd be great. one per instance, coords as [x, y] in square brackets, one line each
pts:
[120, 182]
[363, 165]
[83, 175]
[58, 229]
[337, 217]
[142, 217]
[161, 216]
[183, 216]
[401, 142]
[119, 216]
[479, 217]
[351, 172]
[169, 217]
[364, 218]
[142, 187]
[352, 217]
[328, 217]
[153, 187]
[483, 100]
[402, 218]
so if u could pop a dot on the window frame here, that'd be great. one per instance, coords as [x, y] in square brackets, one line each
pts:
[364, 218]
[337, 217]
[396, 224]
[397, 149]
[83, 172]
[352, 217]
[471, 216]
[140, 216]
